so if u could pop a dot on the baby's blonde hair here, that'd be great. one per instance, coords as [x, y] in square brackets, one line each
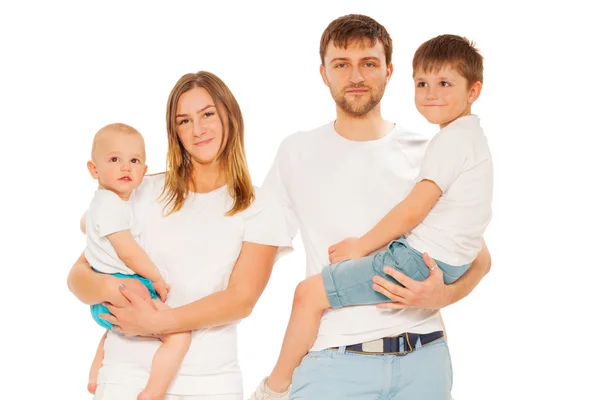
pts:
[117, 127]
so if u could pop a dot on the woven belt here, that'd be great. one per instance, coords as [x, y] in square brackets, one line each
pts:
[392, 345]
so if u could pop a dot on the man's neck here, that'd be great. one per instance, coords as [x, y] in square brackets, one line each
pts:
[361, 129]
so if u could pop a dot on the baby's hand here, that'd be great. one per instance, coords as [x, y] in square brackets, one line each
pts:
[161, 287]
[347, 248]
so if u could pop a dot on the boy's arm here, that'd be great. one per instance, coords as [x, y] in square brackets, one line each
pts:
[132, 254]
[402, 218]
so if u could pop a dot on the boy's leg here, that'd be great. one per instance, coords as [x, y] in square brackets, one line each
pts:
[96, 365]
[309, 302]
[166, 362]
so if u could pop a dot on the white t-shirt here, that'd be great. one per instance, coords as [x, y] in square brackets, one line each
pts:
[107, 214]
[198, 247]
[458, 160]
[332, 188]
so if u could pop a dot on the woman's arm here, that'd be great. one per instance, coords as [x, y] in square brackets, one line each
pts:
[246, 283]
[92, 287]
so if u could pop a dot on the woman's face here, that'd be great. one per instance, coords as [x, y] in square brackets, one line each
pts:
[199, 126]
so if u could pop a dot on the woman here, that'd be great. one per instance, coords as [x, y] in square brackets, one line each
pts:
[216, 239]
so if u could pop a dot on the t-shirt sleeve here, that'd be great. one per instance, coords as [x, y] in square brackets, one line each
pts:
[264, 223]
[274, 188]
[110, 213]
[445, 158]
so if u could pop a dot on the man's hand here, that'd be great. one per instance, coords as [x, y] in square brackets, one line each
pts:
[344, 250]
[431, 293]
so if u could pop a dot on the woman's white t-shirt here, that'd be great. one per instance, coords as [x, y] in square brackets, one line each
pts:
[197, 247]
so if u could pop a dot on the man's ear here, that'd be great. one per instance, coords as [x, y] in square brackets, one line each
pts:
[323, 75]
[93, 170]
[390, 70]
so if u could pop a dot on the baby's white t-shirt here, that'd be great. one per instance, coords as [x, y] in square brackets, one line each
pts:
[108, 214]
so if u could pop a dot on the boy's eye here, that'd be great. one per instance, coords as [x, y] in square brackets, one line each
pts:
[444, 84]
[135, 160]
[114, 159]
[421, 84]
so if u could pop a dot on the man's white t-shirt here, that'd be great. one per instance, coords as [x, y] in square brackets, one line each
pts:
[458, 160]
[198, 247]
[332, 188]
[108, 214]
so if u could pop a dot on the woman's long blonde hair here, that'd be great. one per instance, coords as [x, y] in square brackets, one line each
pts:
[231, 155]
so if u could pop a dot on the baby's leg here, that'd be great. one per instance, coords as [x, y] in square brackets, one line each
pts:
[166, 362]
[96, 365]
[310, 300]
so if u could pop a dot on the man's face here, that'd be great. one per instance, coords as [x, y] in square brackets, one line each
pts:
[356, 76]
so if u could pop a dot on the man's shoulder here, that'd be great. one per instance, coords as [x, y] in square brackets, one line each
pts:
[409, 137]
[301, 139]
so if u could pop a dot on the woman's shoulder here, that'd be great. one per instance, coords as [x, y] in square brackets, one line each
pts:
[150, 188]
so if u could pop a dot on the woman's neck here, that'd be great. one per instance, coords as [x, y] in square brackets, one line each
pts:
[207, 177]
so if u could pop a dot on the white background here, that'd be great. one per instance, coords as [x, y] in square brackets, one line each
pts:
[67, 69]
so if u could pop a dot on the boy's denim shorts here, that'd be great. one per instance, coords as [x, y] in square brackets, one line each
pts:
[350, 282]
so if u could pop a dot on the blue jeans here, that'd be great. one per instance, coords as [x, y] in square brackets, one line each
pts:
[98, 309]
[350, 282]
[424, 374]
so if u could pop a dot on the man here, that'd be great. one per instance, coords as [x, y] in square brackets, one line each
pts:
[338, 181]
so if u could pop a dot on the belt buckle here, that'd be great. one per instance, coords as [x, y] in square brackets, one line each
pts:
[377, 346]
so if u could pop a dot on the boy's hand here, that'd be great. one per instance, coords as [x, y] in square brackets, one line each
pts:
[347, 248]
[161, 288]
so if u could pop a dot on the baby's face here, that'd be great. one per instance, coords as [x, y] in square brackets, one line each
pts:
[120, 161]
[443, 96]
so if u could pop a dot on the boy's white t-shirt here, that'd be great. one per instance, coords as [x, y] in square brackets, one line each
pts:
[458, 160]
[108, 214]
[332, 188]
[198, 247]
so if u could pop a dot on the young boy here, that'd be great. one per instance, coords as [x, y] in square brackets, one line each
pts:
[444, 215]
[113, 244]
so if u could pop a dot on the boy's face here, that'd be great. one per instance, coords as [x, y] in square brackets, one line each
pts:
[356, 76]
[443, 96]
[119, 162]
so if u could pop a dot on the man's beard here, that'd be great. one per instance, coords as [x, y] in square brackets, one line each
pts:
[359, 110]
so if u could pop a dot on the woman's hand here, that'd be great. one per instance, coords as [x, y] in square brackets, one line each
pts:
[137, 317]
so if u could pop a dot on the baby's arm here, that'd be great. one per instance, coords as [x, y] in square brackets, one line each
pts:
[132, 254]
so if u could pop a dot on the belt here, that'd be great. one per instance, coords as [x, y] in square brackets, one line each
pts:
[392, 345]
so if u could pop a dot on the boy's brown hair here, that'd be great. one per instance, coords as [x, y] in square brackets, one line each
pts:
[450, 50]
[344, 30]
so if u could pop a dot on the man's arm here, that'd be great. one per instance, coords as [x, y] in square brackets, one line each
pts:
[432, 292]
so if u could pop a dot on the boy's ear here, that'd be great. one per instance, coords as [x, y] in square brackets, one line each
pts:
[474, 92]
[93, 170]
[145, 170]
